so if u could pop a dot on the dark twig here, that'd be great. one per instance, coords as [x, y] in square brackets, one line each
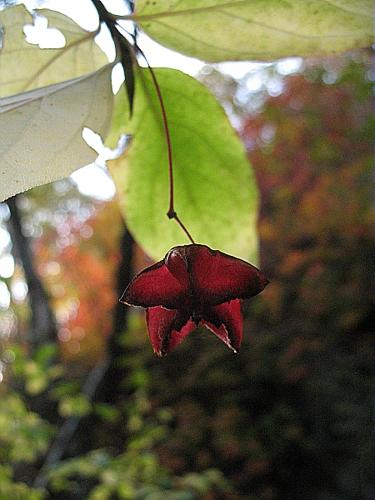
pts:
[124, 50]
[108, 390]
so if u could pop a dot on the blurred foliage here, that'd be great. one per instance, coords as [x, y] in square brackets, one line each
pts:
[135, 473]
[24, 435]
[290, 416]
[287, 418]
[16, 490]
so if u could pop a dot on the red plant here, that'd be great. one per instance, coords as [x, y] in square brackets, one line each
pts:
[194, 285]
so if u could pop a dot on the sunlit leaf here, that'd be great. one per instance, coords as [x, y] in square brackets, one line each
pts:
[41, 130]
[24, 66]
[74, 405]
[215, 191]
[218, 30]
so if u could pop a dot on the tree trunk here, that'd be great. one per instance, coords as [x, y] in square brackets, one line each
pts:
[42, 324]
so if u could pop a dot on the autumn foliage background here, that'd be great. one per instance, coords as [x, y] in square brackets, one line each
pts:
[287, 418]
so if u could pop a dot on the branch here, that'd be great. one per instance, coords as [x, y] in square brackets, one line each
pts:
[124, 51]
[43, 325]
[108, 391]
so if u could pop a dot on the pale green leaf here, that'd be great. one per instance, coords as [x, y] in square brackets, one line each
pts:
[41, 130]
[215, 190]
[74, 405]
[218, 30]
[24, 66]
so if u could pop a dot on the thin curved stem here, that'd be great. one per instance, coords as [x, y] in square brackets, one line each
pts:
[126, 51]
[171, 214]
[182, 226]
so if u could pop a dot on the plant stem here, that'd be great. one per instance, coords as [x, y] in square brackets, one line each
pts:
[123, 49]
[171, 214]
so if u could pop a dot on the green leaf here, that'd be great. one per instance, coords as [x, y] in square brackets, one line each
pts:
[10, 488]
[107, 412]
[218, 30]
[74, 405]
[45, 354]
[23, 434]
[215, 190]
[36, 384]
[24, 66]
[41, 130]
